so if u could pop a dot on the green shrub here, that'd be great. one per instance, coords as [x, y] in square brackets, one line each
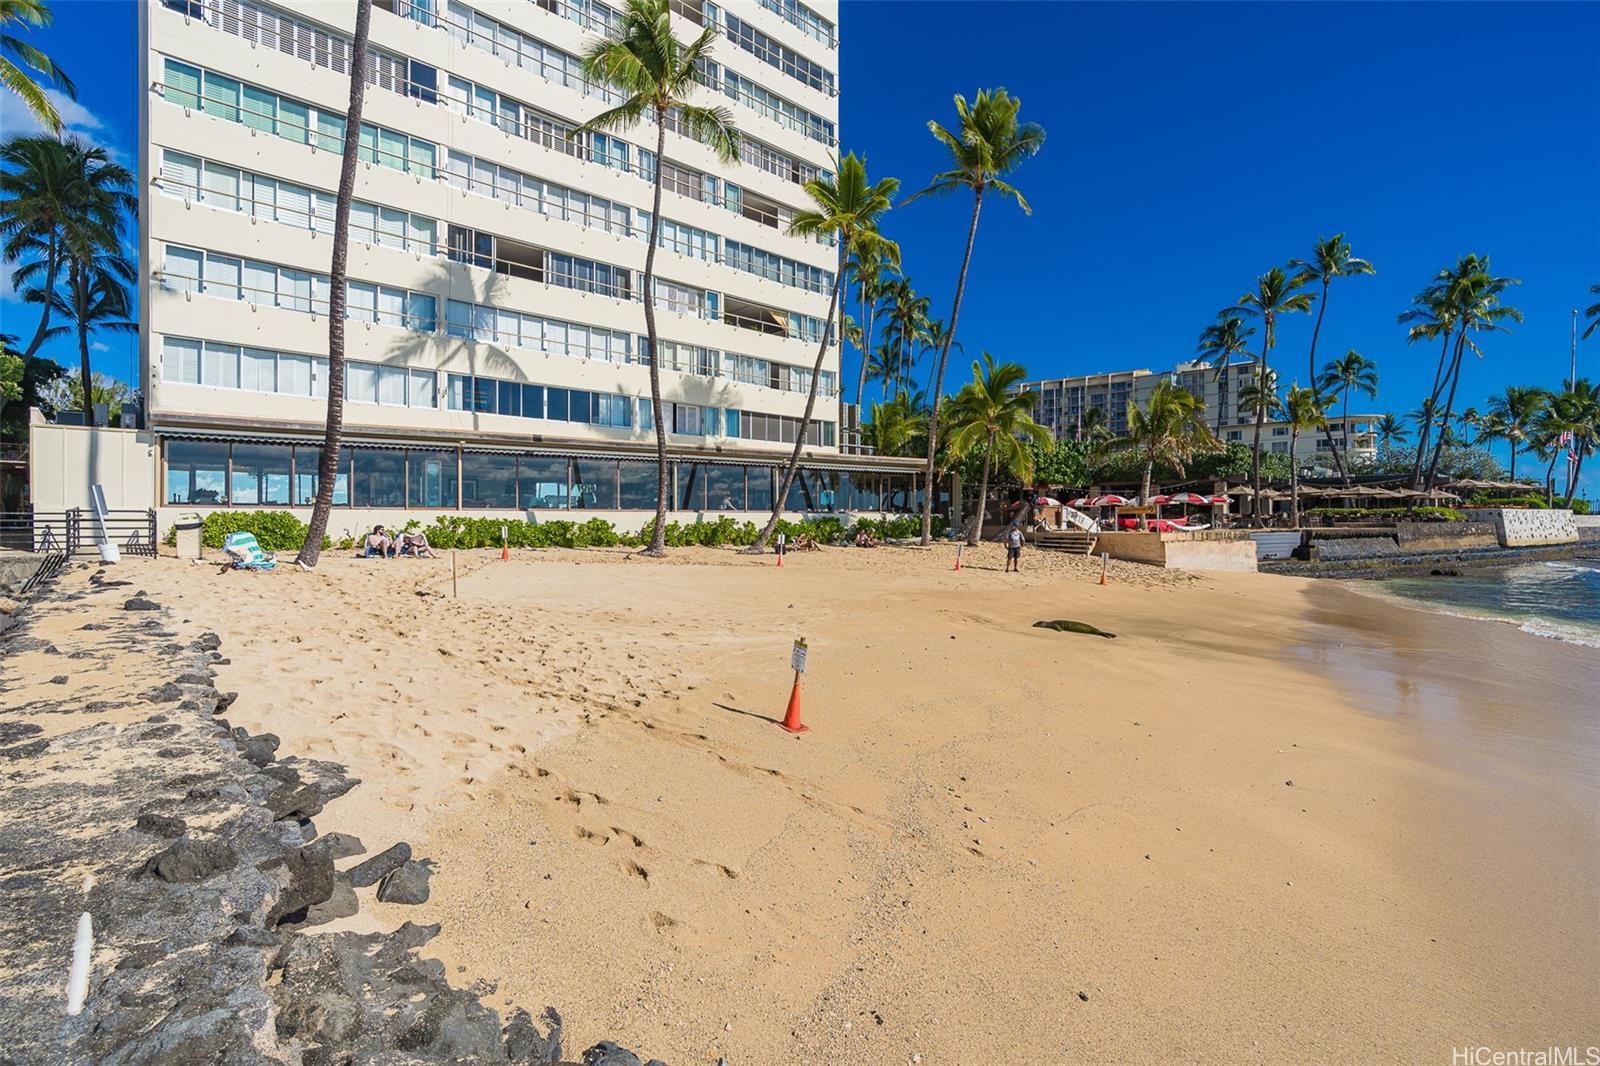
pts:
[1444, 514]
[275, 531]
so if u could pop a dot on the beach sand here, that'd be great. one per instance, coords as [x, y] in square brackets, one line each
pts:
[1271, 821]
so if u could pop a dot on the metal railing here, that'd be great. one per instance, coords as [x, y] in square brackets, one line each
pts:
[75, 532]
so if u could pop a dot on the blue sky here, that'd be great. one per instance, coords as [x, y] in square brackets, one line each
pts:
[1190, 147]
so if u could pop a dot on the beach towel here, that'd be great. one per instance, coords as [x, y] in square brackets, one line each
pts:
[246, 552]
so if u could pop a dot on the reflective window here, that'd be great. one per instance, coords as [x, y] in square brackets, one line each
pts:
[638, 480]
[594, 483]
[197, 472]
[691, 486]
[306, 465]
[260, 474]
[378, 477]
[488, 480]
[725, 488]
[542, 482]
[431, 478]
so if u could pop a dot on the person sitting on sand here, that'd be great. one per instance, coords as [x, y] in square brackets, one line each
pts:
[378, 543]
[865, 539]
[413, 544]
[803, 543]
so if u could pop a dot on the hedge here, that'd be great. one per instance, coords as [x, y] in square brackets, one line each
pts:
[1445, 514]
[281, 531]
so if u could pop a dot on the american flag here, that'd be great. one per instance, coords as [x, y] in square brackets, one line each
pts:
[1566, 440]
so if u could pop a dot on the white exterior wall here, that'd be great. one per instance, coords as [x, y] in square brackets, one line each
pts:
[65, 460]
[169, 219]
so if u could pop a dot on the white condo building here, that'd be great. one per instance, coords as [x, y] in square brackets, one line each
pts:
[496, 336]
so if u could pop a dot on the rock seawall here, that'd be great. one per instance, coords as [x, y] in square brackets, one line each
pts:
[125, 795]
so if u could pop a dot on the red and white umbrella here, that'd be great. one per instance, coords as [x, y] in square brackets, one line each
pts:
[1190, 498]
[1081, 501]
[1157, 501]
[1047, 501]
[1221, 500]
[1109, 501]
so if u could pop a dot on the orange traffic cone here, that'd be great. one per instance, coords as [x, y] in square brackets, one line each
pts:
[1104, 561]
[505, 551]
[791, 717]
[958, 555]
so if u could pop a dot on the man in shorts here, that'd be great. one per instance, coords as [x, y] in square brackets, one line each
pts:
[1014, 549]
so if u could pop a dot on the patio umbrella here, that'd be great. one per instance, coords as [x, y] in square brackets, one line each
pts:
[1191, 498]
[1241, 490]
[1081, 501]
[1157, 501]
[1109, 501]
[1218, 501]
[1047, 501]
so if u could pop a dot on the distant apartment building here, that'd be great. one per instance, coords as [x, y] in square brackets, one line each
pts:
[497, 357]
[1061, 405]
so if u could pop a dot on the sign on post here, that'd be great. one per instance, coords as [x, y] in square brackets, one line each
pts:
[797, 659]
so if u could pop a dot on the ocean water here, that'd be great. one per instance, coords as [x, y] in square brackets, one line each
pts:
[1551, 598]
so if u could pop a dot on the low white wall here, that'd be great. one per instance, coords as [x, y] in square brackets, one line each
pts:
[63, 461]
[1519, 527]
[1227, 550]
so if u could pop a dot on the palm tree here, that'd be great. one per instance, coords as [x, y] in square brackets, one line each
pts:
[1092, 426]
[1220, 344]
[895, 424]
[848, 207]
[1353, 372]
[882, 368]
[338, 273]
[1276, 294]
[1576, 411]
[990, 145]
[1592, 313]
[1474, 295]
[1303, 409]
[1513, 415]
[1432, 317]
[97, 300]
[1171, 430]
[906, 328]
[17, 57]
[989, 411]
[935, 336]
[1391, 430]
[871, 287]
[657, 73]
[63, 199]
[1330, 258]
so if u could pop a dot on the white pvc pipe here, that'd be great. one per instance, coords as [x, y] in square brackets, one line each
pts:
[82, 949]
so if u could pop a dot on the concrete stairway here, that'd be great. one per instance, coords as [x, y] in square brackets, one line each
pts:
[1065, 540]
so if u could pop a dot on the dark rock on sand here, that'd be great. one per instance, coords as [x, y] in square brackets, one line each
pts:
[606, 1053]
[1066, 625]
[161, 825]
[10, 732]
[409, 884]
[340, 845]
[525, 1044]
[24, 751]
[59, 679]
[341, 903]
[258, 750]
[380, 865]
[191, 861]
[306, 879]
[139, 603]
[168, 693]
[224, 701]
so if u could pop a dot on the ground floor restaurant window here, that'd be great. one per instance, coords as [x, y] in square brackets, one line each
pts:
[255, 474]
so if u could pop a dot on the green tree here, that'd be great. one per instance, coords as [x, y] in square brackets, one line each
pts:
[338, 274]
[1352, 372]
[1513, 416]
[1391, 430]
[11, 367]
[847, 207]
[1592, 313]
[871, 275]
[97, 301]
[1473, 294]
[905, 328]
[1170, 430]
[989, 146]
[1330, 258]
[1276, 294]
[1303, 409]
[63, 200]
[66, 394]
[989, 413]
[895, 425]
[1432, 316]
[1220, 344]
[1576, 410]
[657, 74]
[18, 58]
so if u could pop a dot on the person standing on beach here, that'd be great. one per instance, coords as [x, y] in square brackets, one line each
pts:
[1014, 549]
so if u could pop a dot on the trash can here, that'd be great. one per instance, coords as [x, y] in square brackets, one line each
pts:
[188, 527]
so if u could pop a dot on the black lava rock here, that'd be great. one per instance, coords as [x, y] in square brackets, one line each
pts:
[606, 1053]
[524, 1043]
[380, 865]
[409, 884]
[306, 877]
[340, 845]
[139, 603]
[258, 750]
[168, 693]
[191, 861]
[161, 825]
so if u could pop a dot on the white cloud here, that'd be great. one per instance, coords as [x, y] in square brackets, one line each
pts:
[98, 346]
[17, 120]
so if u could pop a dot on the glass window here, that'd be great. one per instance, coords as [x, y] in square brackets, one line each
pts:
[183, 84]
[424, 389]
[260, 109]
[691, 486]
[422, 312]
[294, 375]
[361, 382]
[725, 488]
[638, 481]
[594, 484]
[260, 474]
[488, 480]
[483, 395]
[222, 277]
[509, 398]
[219, 366]
[222, 97]
[542, 482]
[180, 360]
[197, 472]
[307, 462]
[258, 370]
[379, 478]
[555, 408]
[533, 401]
[330, 132]
[392, 385]
[432, 478]
[182, 268]
[294, 121]
[759, 481]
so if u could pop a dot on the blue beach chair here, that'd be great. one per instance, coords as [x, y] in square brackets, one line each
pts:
[245, 553]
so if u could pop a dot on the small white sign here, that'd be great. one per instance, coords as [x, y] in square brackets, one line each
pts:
[505, 534]
[797, 660]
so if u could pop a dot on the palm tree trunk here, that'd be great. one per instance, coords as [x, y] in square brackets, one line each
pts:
[1425, 430]
[52, 270]
[80, 305]
[1262, 399]
[1294, 476]
[1144, 488]
[1579, 445]
[1449, 406]
[866, 349]
[1220, 372]
[928, 491]
[1550, 476]
[789, 471]
[658, 534]
[975, 530]
[1513, 445]
[1343, 447]
[328, 462]
[1316, 331]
